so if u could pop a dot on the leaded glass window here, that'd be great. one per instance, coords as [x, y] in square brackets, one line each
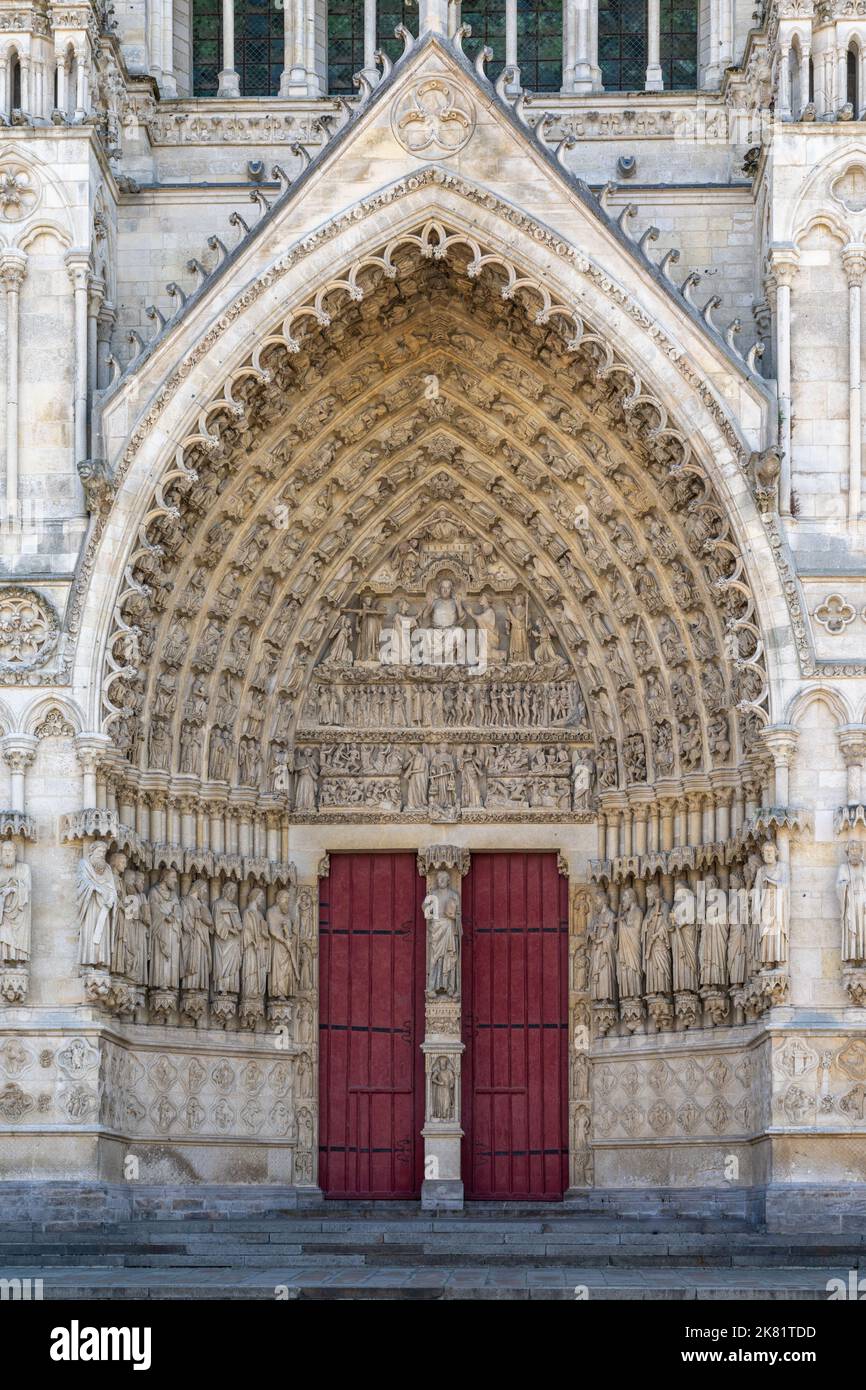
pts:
[345, 43]
[259, 46]
[206, 46]
[487, 19]
[622, 44]
[390, 13]
[679, 44]
[539, 44]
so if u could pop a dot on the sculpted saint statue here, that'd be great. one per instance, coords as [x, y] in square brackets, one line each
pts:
[195, 947]
[518, 630]
[120, 950]
[442, 1086]
[417, 781]
[227, 942]
[284, 972]
[165, 928]
[341, 647]
[714, 935]
[684, 942]
[306, 781]
[629, 975]
[256, 944]
[738, 920]
[136, 917]
[441, 909]
[443, 783]
[851, 889]
[485, 621]
[657, 942]
[602, 947]
[369, 629]
[771, 906]
[444, 610]
[15, 890]
[96, 900]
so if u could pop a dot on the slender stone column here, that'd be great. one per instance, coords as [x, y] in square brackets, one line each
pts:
[654, 82]
[432, 16]
[90, 750]
[13, 268]
[784, 110]
[229, 81]
[18, 750]
[299, 77]
[511, 42]
[443, 867]
[78, 265]
[854, 261]
[805, 53]
[783, 260]
[578, 72]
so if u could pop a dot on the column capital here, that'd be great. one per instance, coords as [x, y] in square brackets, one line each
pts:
[19, 750]
[13, 268]
[91, 750]
[784, 261]
[854, 262]
[78, 265]
[781, 741]
[852, 743]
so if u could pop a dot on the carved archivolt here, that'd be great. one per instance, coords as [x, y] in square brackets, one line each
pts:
[433, 421]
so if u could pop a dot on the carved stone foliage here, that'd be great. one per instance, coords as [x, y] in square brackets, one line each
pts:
[430, 449]
[28, 631]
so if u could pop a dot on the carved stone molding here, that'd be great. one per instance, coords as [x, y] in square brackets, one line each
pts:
[17, 825]
[92, 821]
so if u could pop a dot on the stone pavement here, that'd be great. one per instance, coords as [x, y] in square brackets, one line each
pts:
[383, 1252]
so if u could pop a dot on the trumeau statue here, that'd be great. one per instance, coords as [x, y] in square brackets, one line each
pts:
[441, 909]
[96, 899]
[771, 906]
[851, 890]
[15, 895]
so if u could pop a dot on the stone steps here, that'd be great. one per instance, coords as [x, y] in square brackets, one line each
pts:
[389, 1253]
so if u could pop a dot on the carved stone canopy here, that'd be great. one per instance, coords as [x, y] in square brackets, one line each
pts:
[443, 857]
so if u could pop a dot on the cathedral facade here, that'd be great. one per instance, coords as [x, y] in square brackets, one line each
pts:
[433, 603]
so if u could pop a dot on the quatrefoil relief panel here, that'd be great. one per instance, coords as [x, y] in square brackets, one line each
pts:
[849, 188]
[19, 190]
[433, 118]
[835, 613]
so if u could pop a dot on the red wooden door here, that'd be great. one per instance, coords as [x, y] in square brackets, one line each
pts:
[371, 978]
[515, 1011]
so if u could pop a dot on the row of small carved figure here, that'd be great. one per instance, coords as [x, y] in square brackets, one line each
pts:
[495, 705]
[708, 941]
[166, 942]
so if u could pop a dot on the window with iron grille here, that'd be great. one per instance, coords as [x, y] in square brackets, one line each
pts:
[259, 46]
[345, 43]
[206, 46]
[487, 20]
[539, 44]
[622, 44]
[390, 13]
[679, 44]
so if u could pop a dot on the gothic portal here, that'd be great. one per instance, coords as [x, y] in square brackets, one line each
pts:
[431, 626]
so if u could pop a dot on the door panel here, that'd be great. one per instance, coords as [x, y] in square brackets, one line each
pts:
[372, 950]
[515, 1011]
